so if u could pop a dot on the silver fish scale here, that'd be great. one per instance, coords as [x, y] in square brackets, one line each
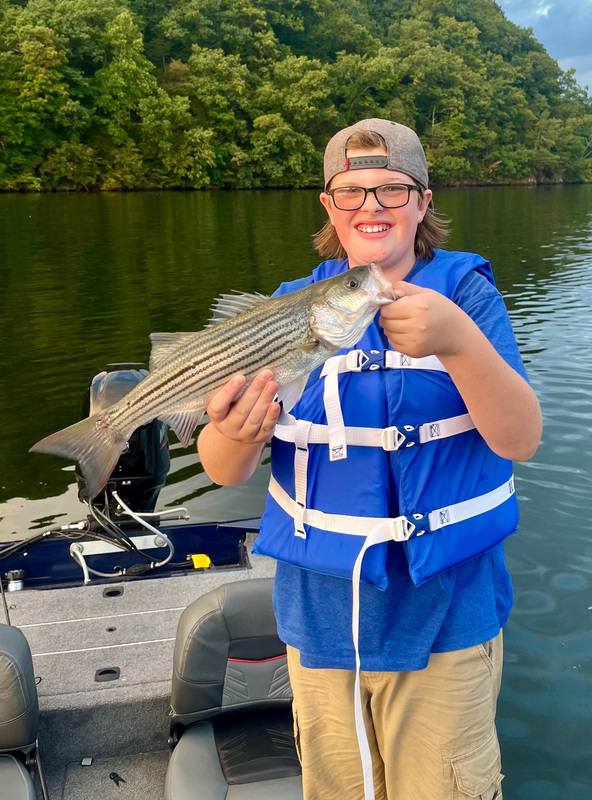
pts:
[269, 335]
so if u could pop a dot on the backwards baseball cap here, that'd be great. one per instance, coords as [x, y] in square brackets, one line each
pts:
[404, 151]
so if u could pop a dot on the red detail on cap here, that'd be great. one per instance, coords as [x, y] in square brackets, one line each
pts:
[254, 661]
[347, 164]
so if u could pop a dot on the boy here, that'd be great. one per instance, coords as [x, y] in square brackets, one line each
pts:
[431, 607]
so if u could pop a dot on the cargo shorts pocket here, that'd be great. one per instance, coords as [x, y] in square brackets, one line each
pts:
[476, 773]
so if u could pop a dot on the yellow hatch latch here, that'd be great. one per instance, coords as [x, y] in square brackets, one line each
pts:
[201, 561]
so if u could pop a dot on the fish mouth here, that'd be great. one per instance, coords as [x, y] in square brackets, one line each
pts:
[386, 293]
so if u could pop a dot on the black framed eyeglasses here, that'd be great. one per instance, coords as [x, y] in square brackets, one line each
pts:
[389, 195]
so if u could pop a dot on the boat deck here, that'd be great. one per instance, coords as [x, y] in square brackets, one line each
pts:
[123, 633]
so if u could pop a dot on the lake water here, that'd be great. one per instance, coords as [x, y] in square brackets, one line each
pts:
[84, 279]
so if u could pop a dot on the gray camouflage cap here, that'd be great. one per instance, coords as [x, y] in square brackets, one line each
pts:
[404, 151]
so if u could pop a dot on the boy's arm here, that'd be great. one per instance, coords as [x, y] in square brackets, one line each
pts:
[230, 446]
[502, 405]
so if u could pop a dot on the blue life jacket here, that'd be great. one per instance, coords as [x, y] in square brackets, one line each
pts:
[382, 448]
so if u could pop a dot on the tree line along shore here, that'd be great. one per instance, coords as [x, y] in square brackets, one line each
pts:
[180, 94]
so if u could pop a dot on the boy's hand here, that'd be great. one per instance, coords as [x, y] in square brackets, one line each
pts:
[249, 417]
[423, 322]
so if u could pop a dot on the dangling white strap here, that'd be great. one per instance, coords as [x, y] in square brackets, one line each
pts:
[335, 426]
[380, 533]
[302, 430]
[391, 438]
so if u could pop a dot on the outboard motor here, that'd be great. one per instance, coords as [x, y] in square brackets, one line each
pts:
[141, 471]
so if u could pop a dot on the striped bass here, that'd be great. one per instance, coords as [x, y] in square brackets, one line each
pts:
[292, 335]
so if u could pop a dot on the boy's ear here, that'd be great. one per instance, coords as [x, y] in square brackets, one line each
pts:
[326, 201]
[423, 206]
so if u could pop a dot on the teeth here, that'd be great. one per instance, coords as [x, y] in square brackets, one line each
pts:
[373, 228]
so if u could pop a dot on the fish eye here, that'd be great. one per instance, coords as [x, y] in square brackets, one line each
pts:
[352, 283]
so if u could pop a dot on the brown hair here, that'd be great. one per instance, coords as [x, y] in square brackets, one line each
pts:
[432, 231]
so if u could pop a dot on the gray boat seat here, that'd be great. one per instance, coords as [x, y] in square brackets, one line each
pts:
[19, 715]
[231, 701]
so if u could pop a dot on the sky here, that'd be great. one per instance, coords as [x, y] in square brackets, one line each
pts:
[564, 27]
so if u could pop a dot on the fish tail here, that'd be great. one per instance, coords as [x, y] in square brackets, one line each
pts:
[93, 443]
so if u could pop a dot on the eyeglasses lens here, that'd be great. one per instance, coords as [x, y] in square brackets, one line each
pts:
[351, 198]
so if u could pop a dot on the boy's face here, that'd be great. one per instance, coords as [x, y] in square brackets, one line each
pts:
[393, 244]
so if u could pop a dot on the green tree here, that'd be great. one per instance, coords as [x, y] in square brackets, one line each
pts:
[279, 155]
[218, 87]
[125, 80]
[33, 93]
[73, 163]
[175, 153]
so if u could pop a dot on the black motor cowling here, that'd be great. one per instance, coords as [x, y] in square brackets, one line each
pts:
[142, 469]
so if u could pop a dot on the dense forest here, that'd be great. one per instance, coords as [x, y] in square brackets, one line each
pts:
[132, 94]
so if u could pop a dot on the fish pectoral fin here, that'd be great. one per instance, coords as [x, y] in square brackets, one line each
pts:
[162, 344]
[183, 423]
[229, 305]
[309, 346]
[291, 393]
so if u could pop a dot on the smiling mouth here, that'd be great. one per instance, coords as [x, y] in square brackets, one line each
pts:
[375, 228]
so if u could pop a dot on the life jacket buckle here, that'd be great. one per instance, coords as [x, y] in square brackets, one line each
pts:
[401, 528]
[364, 360]
[391, 438]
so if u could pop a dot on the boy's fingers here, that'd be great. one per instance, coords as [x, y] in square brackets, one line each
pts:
[271, 418]
[402, 289]
[396, 327]
[260, 409]
[399, 310]
[221, 401]
[260, 384]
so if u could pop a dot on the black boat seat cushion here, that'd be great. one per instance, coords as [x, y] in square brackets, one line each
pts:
[231, 691]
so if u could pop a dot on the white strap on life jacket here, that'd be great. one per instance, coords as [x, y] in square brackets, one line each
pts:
[362, 360]
[337, 439]
[399, 529]
[391, 438]
[459, 512]
[301, 436]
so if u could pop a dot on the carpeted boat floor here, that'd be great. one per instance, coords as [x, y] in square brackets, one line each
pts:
[142, 778]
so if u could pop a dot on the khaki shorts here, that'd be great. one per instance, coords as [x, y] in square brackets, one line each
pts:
[432, 733]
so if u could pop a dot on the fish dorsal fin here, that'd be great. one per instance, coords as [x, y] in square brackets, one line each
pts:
[162, 344]
[183, 423]
[229, 305]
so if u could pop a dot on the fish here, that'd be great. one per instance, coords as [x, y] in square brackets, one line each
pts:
[291, 334]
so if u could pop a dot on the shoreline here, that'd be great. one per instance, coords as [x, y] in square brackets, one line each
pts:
[528, 182]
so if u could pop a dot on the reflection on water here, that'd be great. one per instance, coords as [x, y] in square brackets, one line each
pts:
[85, 279]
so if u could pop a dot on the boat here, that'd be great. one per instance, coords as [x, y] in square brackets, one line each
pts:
[139, 656]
